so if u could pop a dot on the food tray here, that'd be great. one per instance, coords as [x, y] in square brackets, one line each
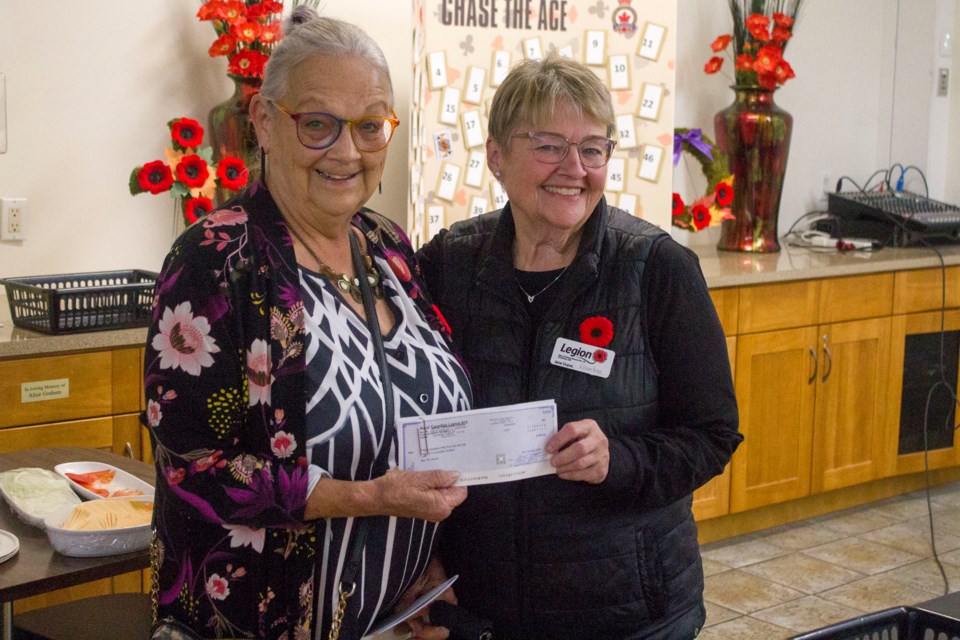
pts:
[34, 493]
[79, 302]
[99, 542]
[123, 484]
[899, 623]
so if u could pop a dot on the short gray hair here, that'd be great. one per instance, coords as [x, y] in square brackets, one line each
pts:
[532, 89]
[306, 34]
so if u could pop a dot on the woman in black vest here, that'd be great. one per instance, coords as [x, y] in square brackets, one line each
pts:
[607, 547]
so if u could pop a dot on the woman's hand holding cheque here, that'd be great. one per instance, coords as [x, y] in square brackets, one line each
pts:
[580, 452]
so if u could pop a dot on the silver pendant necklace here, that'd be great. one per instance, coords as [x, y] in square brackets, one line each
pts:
[549, 284]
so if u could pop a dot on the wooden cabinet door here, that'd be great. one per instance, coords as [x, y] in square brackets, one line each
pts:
[850, 403]
[713, 498]
[901, 327]
[776, 386]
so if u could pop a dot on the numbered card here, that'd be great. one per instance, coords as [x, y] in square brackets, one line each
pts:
[499, 67]
[651, 99]
[447, 184]
[418, 215]
[652, 41]
[595, 48]
[437, 65]
[628, 202]
[476, 168]
[478, 207]
[651, 160]
[533, 49]
[416, 238]
[619, 69]
[615, 174]
[436, 216]
[415, 140]
[417, 84]
[414, 183]
[566, 51]
[626, 132]
[498, 195]
[473, 91]
[449, 105]
[472, 129]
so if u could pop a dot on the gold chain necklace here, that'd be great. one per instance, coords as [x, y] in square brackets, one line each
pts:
[344, 282]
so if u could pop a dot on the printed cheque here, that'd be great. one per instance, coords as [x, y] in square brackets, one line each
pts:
[498, 444]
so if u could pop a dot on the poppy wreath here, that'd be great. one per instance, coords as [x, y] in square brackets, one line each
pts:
[713, 206]
[189, 173]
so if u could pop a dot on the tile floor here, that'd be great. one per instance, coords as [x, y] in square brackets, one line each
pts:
[779, 582]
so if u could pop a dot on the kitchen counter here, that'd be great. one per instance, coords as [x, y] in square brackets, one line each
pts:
[720, 268]
[734, 269]
[16, 342]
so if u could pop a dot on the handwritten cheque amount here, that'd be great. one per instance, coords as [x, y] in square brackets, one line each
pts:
[497, 444]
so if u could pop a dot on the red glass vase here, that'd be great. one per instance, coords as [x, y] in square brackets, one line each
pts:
[755, 134]
[232, 133]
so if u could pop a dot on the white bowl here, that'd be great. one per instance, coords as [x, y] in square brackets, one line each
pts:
[102, 542]
[122, 481]
[35, 493]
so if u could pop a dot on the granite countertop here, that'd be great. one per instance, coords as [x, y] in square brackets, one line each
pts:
[720, 268]
[16, 342]
[734, 269]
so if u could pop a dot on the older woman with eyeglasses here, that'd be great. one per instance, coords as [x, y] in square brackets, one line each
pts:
[280, 512]
[560, 295]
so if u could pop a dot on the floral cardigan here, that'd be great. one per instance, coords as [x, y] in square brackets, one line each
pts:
[224, 388]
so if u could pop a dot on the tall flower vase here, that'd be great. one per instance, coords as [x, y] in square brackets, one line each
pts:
[755, 134]
[232, 132]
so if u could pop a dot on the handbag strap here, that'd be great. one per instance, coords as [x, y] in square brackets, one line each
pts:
[348, 583]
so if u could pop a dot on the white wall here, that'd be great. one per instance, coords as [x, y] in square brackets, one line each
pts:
[90, 86]
[952, 187]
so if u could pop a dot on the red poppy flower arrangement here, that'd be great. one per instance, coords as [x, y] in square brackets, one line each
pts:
[761, 31]
[246, 33]
[596, 331]
[188, 173]
[713, 206]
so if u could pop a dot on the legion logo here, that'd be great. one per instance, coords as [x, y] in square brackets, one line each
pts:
[625, 18]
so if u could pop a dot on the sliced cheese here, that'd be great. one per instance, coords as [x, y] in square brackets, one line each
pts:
[98, 515]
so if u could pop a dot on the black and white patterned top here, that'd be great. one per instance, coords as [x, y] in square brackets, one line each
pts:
[345, 428]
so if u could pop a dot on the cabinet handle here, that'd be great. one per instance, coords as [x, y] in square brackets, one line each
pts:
[829, 360]
[128, 451]
[816, 365]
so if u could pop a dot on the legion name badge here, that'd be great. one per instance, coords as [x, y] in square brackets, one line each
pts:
[582, 357]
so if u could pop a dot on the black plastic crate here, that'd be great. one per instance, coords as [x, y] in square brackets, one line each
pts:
[899, 623]
[79, 302]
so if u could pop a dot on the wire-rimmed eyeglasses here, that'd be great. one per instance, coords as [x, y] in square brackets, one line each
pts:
[552, 148]
[319, 130]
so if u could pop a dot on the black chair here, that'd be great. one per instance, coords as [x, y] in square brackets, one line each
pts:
[116, 616]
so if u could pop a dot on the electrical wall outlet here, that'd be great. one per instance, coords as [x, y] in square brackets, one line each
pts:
[13, 218]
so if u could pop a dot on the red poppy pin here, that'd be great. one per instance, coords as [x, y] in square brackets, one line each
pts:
[596, 331]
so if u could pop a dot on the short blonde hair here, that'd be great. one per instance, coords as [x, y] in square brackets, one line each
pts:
[533, 88]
